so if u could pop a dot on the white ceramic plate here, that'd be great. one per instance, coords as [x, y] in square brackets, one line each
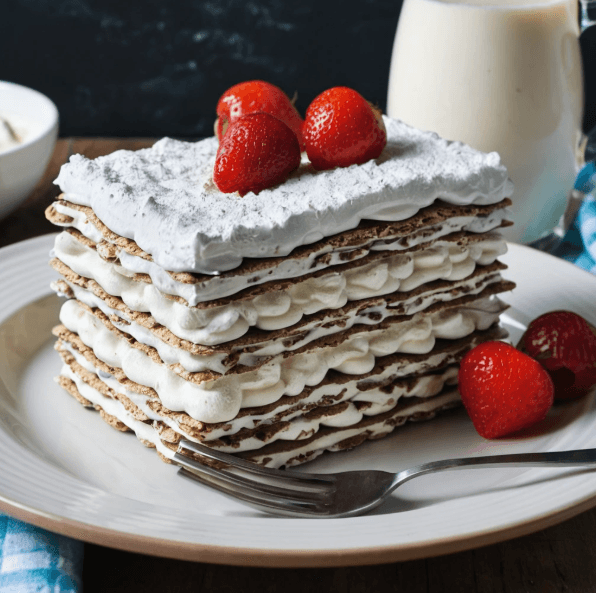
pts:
[64, 469]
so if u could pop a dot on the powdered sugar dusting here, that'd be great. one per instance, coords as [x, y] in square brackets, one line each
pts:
[164, 197]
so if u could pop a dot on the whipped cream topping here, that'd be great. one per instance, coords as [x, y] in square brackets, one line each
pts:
[322, 257]
[280, 309]
[221, 399]
[164, 197]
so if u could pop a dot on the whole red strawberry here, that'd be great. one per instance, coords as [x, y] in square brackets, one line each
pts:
[503, 389]
[564, 343]
[254, 96]
[257, 152]
[341, 128]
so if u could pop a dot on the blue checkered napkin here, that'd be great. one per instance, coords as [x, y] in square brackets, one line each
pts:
[574, 239]
[578, 244]
[35, 560]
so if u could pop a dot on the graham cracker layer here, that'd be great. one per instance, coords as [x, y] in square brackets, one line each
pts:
[326, 341]
[177, 425]
[279, 454]
[335, 319]
[70, 387]
[461, 239]
[389, 373]
[291, 453]
[353, 244]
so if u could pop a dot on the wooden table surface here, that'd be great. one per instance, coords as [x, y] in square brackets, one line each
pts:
[560, 558]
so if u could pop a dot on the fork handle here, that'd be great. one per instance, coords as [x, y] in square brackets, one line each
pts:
[585, 457]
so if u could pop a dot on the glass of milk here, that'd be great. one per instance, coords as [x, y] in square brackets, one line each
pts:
[500, 75]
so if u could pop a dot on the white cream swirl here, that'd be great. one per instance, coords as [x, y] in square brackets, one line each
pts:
[300, 453]
[220, 400]
[350, 407]
[281, 309]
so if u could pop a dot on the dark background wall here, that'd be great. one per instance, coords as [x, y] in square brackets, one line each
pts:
[153, 68]
[118, 67]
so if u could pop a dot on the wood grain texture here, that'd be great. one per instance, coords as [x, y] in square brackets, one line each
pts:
[94, 147]
[560, 558]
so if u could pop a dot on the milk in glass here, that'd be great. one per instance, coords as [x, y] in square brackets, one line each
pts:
[501, 76]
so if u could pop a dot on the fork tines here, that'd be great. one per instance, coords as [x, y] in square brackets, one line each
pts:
[262, 487]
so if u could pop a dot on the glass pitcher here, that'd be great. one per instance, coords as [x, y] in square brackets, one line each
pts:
[500, 75]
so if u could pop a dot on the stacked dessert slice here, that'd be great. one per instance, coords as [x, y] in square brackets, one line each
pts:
[310, 317]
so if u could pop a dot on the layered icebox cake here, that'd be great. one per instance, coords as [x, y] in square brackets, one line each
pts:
[320, 313]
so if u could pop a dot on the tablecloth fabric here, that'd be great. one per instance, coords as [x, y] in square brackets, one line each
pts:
[35, 560]
[578, 244]
[574, 238]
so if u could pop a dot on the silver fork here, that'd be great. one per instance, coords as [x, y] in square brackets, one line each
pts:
[344, 494]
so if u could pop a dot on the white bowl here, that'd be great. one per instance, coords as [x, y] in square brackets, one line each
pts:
[23, 165]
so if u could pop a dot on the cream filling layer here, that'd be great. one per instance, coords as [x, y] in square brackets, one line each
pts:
[114, 408]
[280, 309]
[220, 287]
[220, 362]
[220, 400]
[295, 426]
[306, 452]
[333, 441]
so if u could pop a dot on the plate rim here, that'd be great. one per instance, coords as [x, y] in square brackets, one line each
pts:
[285, 558]
[297, 558]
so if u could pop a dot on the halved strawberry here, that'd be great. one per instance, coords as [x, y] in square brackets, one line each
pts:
[256, 96]
[503, 389]
[257, 152]
[341, 128]
[564, 343]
